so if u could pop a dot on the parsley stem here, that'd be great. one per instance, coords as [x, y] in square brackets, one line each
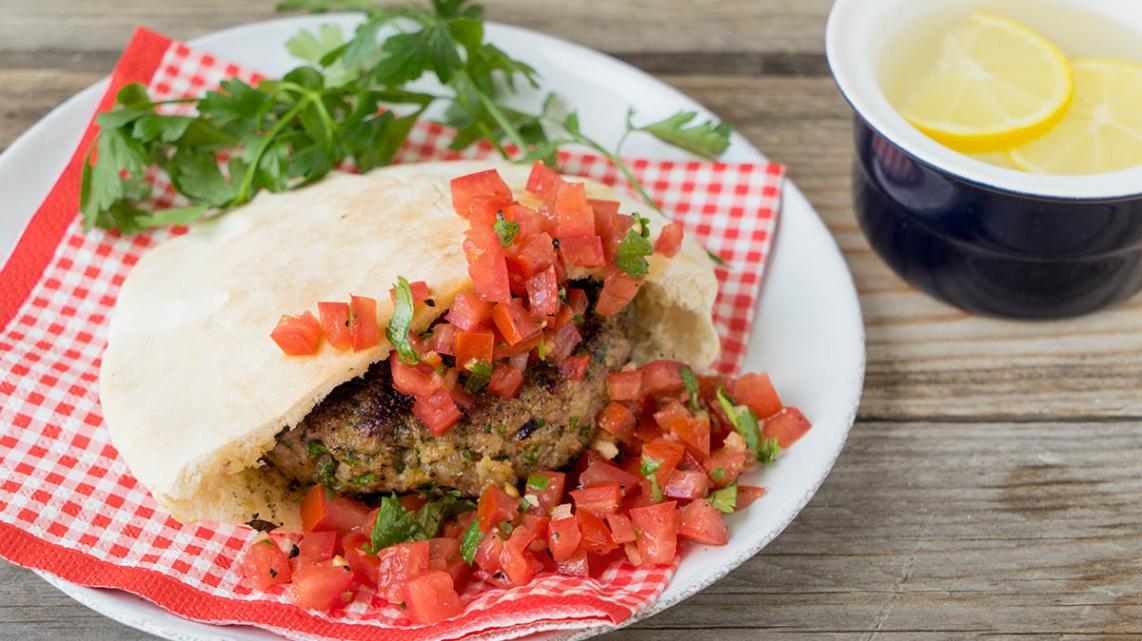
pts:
[503, 122]
[248, 178]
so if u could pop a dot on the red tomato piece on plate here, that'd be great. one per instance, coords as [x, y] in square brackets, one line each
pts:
[604, 473]
[487, 184]
[495, 506]
[412, 380]
[596, 537]
[661, 377]
[314, 548]
[543, 182]
[573, 367]
[530, 221]
[573, 215]
[547, 488]
[297, 335]
[657, 532]
[600, 499]
[575, 565]
[618, 290]
[622, 530]
[335, 324]
[476, 345]
[625, 386]
[563, 538]
[438, 412]
[431, 597]
[320, 587]
[487, 266]
[786, 426]
[535, 254]
[265, 565]
[363, 328]
[506, 381]
[756, 391]
[470, 312]
[443, 339]
[686, 485]
[616, 419]
[747, 494]
[543, 293]
[585, 251]
[365, 566]
[397, 564]
[514, 321]
[320, 513]
[699, 521]
[669, 240]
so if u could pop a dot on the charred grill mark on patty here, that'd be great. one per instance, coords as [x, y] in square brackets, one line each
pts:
[368, 441]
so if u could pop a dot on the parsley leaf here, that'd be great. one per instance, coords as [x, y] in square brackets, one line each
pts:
[769, 451]
[537, 482]
[401, 322]
[743, 421]
[506, 230]
[394, 525]
[630, 255]
[708, 139]
[479, 373]
[725, 499]
[648, 468]
[470, 541]
[691, 387]
[434, 513]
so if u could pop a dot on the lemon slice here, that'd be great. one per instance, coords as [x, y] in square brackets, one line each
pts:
[995, 84]
[1100, 132]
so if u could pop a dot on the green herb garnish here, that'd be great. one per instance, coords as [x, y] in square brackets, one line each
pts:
[363, 479]
[401, 322]
[648, 468]
[630, 255]
[395, 524]
[470, 541]
[355, 98]
[769, 451]
[691, 387]
[718, 474]
[479, 373]
[537, 482]
[743, 421]
[316, 449]
[725, 499]
[506, 230]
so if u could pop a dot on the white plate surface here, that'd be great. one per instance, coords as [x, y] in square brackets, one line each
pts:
[809, 335]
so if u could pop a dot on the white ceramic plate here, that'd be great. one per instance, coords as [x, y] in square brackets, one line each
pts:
[809, 335]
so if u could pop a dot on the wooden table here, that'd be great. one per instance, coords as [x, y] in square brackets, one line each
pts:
[992, 487]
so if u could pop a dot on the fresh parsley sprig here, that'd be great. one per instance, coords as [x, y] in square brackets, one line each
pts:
[353, 102]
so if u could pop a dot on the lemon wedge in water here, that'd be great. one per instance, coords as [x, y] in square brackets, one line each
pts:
[1100, 132]
[995, 84]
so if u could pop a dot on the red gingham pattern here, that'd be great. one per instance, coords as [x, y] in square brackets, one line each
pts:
[70, 506]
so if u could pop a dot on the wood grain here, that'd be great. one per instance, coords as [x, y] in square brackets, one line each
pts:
[990, 487]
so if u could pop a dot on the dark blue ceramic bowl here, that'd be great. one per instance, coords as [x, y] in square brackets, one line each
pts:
[989, 240]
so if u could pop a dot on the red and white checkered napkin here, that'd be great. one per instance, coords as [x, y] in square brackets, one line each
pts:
[68, 504]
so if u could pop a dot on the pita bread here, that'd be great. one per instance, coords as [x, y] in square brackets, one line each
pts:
[194, 391]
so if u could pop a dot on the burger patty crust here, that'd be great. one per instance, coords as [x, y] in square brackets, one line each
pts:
[363, 438]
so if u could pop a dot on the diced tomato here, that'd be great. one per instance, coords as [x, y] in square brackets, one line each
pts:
[633, 555]
[618, 290]
[444, 555]
[577, 299]
[470, 312]
[657, 531]
[438, 412]
[575, 565]
[669, 240]
[476, 345]
[549, 492]
[484, 210]
[365, 566]
[729, 461]
[506, 381]
[537, 524]
[661, 377]
[668, 453]
[605, 473]
[573, 367]
[313, 548]
[418, 289]
[397, 564]
[671, 417]
[686, 485]
[487, 184]
[695, 435]
[363, 329]
[487, 266]
[600, 499]
[756, 392]
[608, 207]
[530, 221]
[431, 597]
[625, 386]
[543, 182]
[622, 531]
[562, 342]
[443, 339]
[516, 562]
[563, 538]
[699, 521]
[616, 419]
[489, 554]
[573, 215]
[320, 587]
[748, 494]
[335, 324]
[495, 506]
[265, 565]
[297, 335]
[786, 426]
[543, 293]
[341, 514]
[596, 537]
[535, 254]
[415, 380]
[514, 322]
[585, 251]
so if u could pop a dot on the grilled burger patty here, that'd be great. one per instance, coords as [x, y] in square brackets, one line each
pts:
[363, 438]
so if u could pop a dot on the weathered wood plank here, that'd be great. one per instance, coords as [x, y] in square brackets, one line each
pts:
[725, 26]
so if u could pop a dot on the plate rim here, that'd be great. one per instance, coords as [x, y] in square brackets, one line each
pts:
[153, 619]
